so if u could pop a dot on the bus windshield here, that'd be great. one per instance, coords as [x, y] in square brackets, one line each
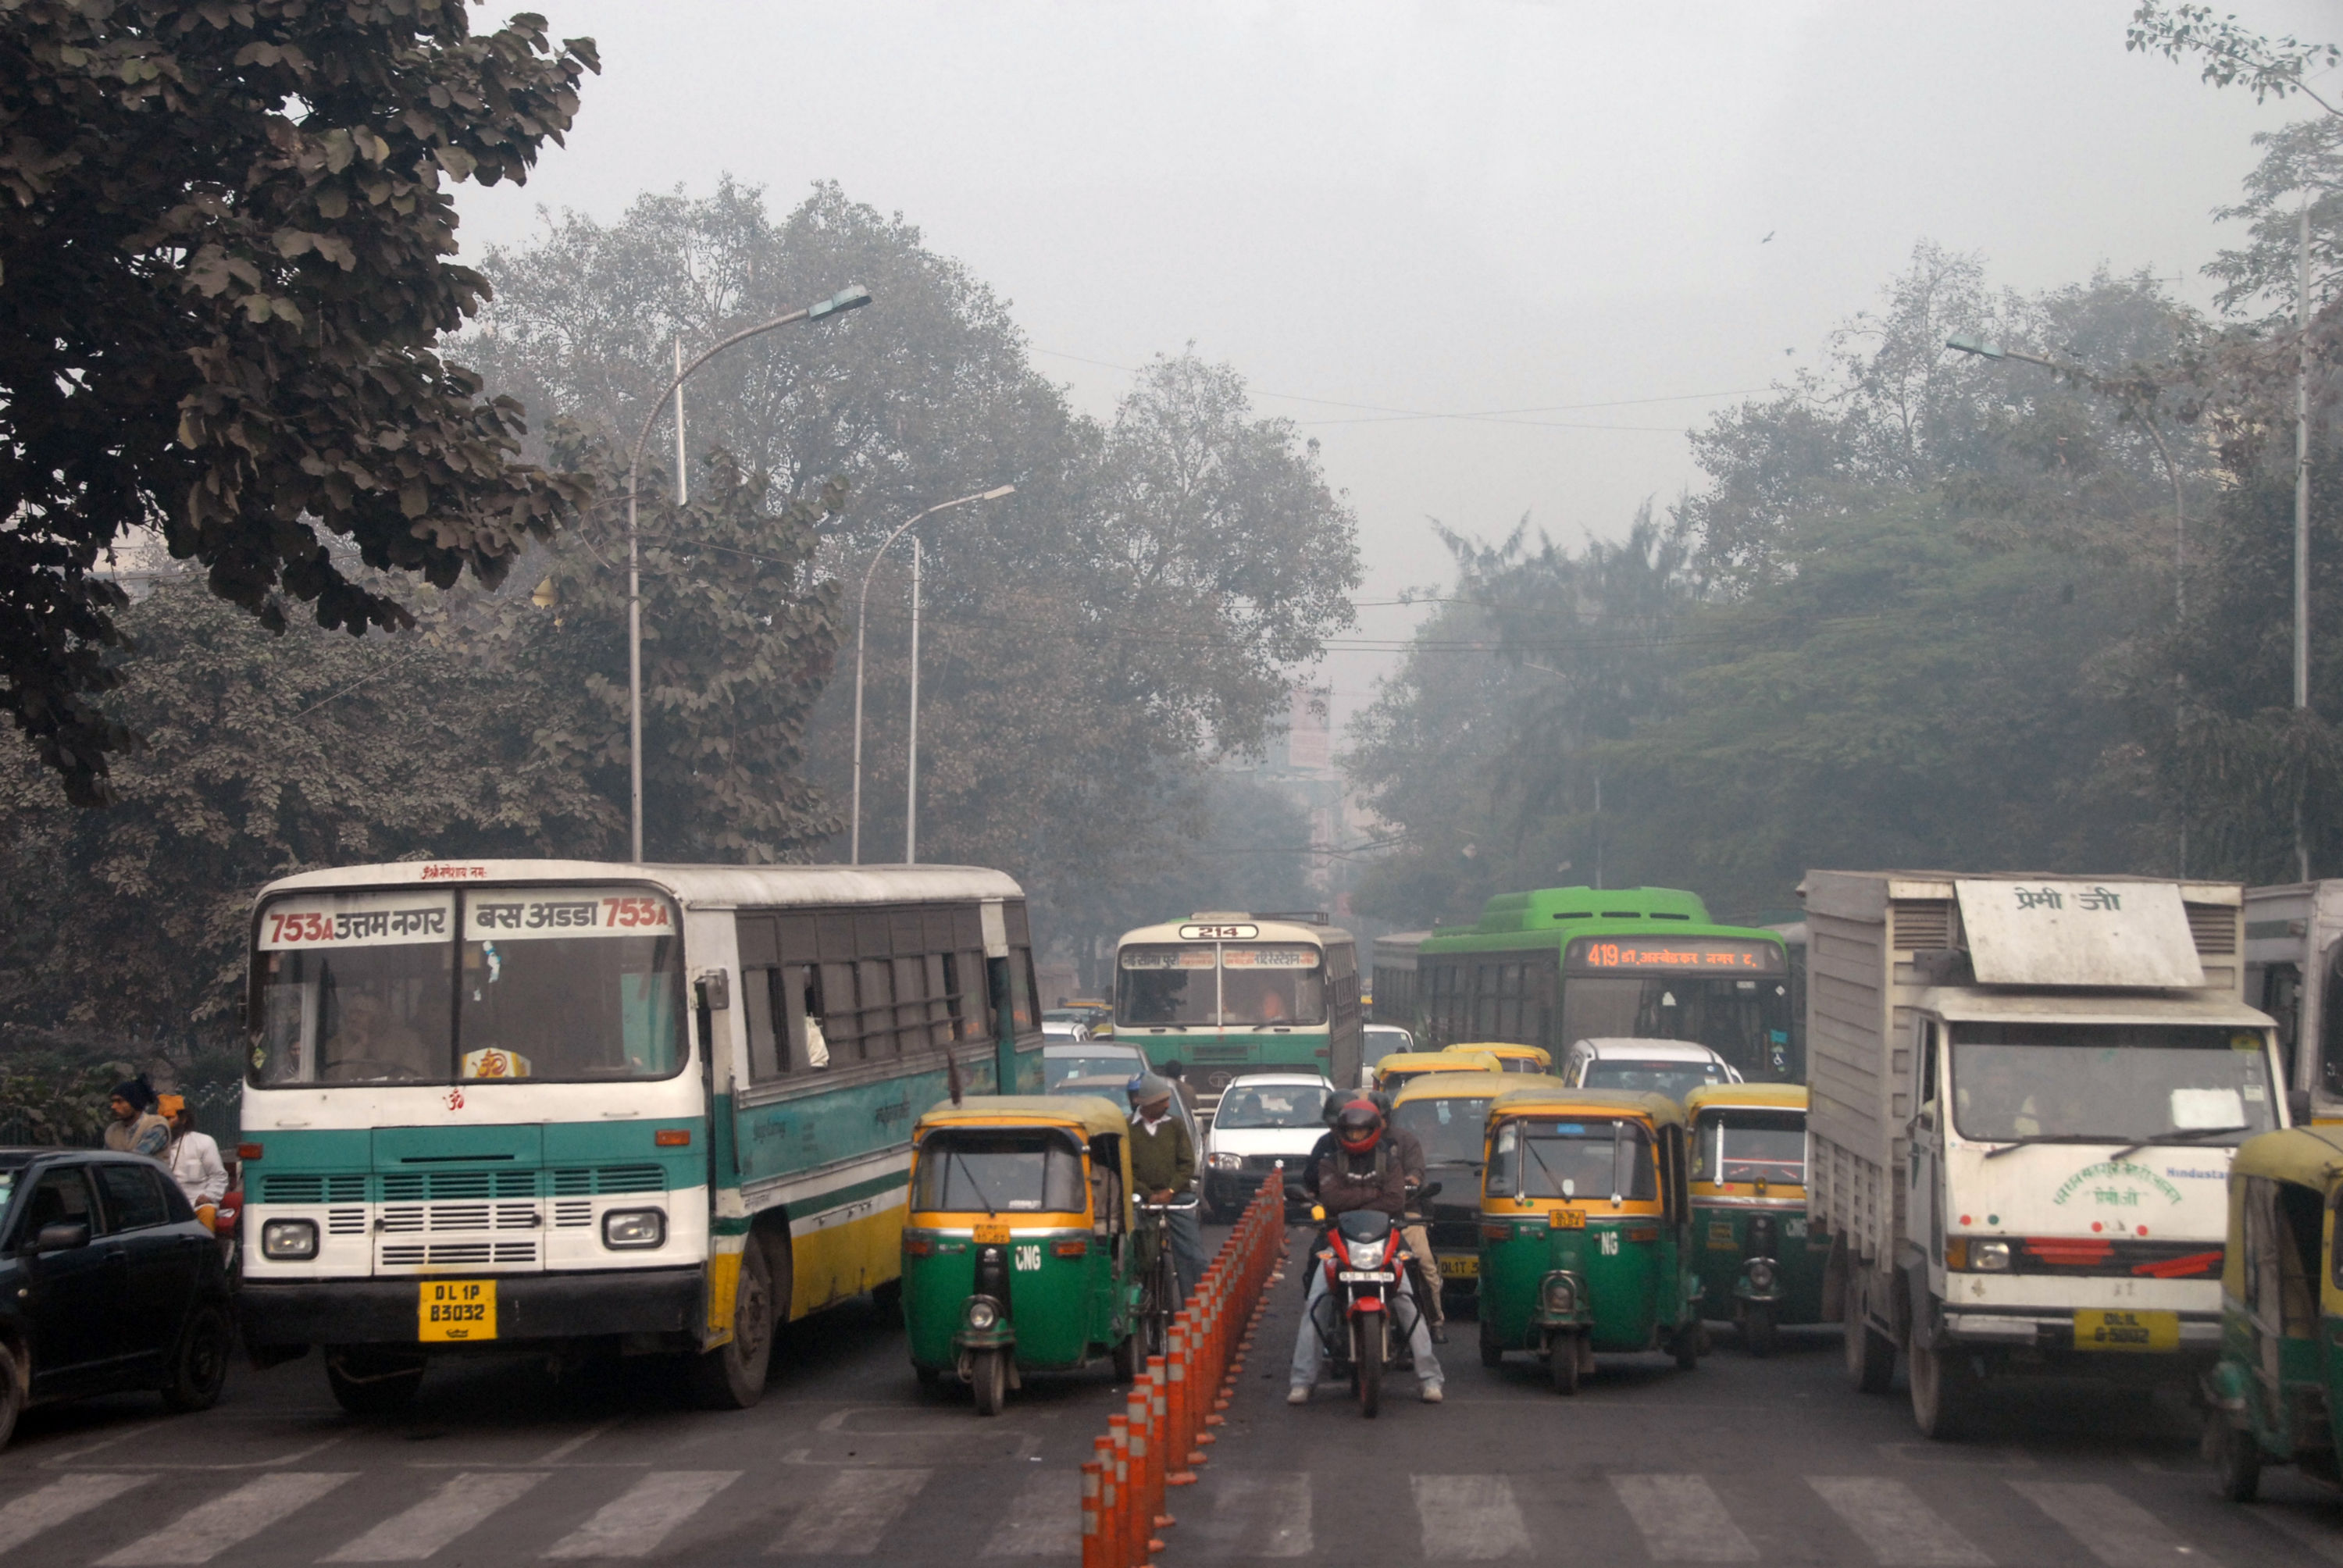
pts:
[967, 1169]
[1745, 1021]
[2195, 1083]
[1264, 985]
[1449, 1130]
[581, 984]
[1574, 1159]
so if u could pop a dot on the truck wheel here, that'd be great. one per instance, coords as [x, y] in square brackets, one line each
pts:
[1561, 1364]
[1870, 1356]
[1944, 1392]
[987, 1374]
[733, 1376]
[1759, 1331]
[2237, 1458]
[373, 1383]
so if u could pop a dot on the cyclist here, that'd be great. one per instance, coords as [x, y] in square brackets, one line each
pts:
[1363, 1172]
[1163, 1169]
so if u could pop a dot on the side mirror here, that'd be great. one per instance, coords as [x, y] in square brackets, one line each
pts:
[64, 1236]
[1428, 1192]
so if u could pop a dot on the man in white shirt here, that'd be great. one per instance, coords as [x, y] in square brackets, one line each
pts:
[194, 1159]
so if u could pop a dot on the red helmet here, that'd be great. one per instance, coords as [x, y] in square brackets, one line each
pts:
[1359, 1126]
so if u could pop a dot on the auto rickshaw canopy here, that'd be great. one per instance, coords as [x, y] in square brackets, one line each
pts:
[1746, 1096]
[1474, 1085]
[1540, 1100]
[1417, 1061]
[2306, 1156]
[1505, 1050]
[1091, 1114]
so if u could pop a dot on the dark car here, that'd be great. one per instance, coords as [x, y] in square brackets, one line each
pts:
[107, 1282]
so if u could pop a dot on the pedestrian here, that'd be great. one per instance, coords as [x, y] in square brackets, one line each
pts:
[1178, 1073]
[136, 1128]
[1164, 1169]
[194, 1160]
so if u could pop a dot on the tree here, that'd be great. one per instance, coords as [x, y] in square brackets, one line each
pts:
[223, 272]
[2270, 67]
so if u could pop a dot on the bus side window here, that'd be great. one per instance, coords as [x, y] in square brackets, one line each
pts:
[2330, 1023]
[759, 989]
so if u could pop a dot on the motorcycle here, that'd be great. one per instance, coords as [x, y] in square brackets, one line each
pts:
[1364, 1321]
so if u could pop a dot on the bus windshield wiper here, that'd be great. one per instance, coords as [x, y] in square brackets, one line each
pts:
[973, 1182]
[2174, 1135]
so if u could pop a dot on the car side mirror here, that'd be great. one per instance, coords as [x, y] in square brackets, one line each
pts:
[64, 1236]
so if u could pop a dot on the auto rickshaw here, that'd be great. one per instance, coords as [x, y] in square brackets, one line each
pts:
[1585, 1230]
[1512, 1058]
[2276, 1394]
[1395, 1071]
[1448, 1113]
[1759, 1265]
[1020, 1251]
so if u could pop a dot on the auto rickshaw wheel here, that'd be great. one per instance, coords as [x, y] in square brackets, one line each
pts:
[1493, 1354]
[2237, 1458]
[1367, 1362]
[1944, 1392]
[1561, 1364]
[1758, 1329]
[1126, 1358]
[988, 1375]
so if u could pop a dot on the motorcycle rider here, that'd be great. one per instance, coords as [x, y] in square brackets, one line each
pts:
[1423, 1265]
[1364, 1171]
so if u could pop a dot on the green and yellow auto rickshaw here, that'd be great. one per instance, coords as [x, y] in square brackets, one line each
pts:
[1448, 1114]
[1760, 1266]
[2276, 1395]
[1585, 1230]
[1019, 1250]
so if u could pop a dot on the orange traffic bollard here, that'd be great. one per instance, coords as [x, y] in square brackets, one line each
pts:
[1093, 1540]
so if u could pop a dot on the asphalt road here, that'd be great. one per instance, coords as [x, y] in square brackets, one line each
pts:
[1741, 1461]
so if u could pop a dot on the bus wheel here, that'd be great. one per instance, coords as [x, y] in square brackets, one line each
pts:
[733, 1376]
[373, 1383]
[987, 1374]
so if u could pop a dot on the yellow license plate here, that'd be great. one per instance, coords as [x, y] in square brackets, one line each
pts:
[1460, 1268]
[450, 1309]
[992, 1233]
[1566, 1219]
[2105, 1331]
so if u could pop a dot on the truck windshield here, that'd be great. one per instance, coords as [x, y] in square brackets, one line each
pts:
[1750, 1146]
[1450, 1130]
[967, 1169]
[1745, 1021]
[1573, 1158]
[571, 984]
[2198, 1084]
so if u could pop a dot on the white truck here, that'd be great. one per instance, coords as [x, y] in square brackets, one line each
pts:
[2025, 1094]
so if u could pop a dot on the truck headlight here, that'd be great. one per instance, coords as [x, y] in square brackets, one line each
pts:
[628, 1229]
[1989, 1257]
[289, 1240]
[1225, 1162]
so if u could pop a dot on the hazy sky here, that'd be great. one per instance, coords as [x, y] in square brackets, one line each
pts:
[1551, 211]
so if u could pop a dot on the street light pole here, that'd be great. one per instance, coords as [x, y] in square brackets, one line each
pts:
[911, 754]
[2302, 511]
[852, 297]
[861, 620]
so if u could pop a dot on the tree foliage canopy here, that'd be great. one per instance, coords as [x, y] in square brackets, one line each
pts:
[224, 232]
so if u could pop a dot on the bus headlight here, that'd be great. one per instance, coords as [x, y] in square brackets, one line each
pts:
[289, 1240]
[625, 1230]
[1225, 1162]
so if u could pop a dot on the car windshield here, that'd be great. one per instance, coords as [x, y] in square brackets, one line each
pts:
[1573, 1158]
[1252, 1107]
[2202, 1085]
[1266, 985]
[1745, 1021]
[1750, 1146]
[575, 984]
[1056, 1070]
[1674, 1078]
[965, 1170]
[1449, 1130]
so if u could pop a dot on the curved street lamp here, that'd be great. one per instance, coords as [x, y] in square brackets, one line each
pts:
[862, 618]
[851, 297]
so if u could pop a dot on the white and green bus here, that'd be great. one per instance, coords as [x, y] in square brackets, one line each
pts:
[576, 1106]
[1226, 994]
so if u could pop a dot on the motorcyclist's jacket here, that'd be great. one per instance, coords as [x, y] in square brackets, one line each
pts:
[1375, 1179]
[1402, 1143]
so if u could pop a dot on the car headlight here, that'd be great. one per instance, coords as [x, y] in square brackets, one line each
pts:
[1989, 1257]
[1225, 1162]
[981, 1314]
[1368, 1254]
[1761, 1274]
[289, 1240]
[1560, 1293]
[628, 1229]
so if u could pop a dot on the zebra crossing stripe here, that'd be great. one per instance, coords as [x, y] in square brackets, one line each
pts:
[21, 1518]
[205, 1531]
[1889, 1518]
[1046, 1519]
[1682, 1518]
[1469, 1518]
[457, 1507]
[846, 1518]
[634, 1522]
[2119, 1531]
[1258, 1514]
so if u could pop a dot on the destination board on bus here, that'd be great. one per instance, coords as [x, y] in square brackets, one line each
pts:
[1679, 955]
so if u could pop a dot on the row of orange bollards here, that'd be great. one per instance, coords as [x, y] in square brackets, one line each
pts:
[1164, 1431]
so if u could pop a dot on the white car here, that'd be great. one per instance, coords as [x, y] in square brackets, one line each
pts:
[1671, 1066]
[1263, 1118]
[1383, 1040]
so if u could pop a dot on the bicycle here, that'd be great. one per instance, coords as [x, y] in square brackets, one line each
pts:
[1158, 1275]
